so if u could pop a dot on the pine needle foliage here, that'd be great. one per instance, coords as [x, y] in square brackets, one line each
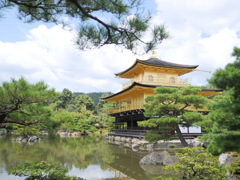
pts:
[124, 23]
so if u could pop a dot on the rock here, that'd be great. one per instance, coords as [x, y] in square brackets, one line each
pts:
[120, 144]
[123, 139]
[150, 147]
[45, 133]
[197, 144]
[135, 146]
[31, 143]
[3, 132]
[224, 159]
[33, 139]
[20, 138]
[63, 134]
[231, 177]
[135, 141]
[106, 137]
[205, 144]
[75, 134]
[117, 138]
[13, 139]
[129, 140]
[112, 138]
[170, 160]
[154, 158]
[142, 142]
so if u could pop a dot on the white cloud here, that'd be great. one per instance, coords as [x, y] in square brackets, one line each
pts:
[92, 172]
[49, 54]
[203, 33]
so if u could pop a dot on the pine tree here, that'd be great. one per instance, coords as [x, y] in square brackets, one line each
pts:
[101, 22]
[168, 108]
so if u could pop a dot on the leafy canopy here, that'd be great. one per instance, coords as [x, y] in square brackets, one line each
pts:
[24, 103]
[42, 171]
[168, 108]
[225, 117]
[195, 164]
[123, 23]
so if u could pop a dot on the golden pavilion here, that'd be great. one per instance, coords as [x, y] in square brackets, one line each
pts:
[144, 76]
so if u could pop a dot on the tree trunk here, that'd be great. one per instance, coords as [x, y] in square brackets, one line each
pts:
[180, 136]
[2, 118]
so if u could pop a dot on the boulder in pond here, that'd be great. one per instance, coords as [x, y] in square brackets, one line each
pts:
[170, 160]
[154, 158]
[33, 139]
[135, 146]
[123, 139]
[3, 132]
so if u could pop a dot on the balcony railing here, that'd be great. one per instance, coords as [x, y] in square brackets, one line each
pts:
[128, 132]
[128, 107]
[156, 81]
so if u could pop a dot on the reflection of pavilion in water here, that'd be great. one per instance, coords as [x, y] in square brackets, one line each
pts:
[126, 164]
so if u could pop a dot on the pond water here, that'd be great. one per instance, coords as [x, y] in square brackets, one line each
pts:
[87, 157]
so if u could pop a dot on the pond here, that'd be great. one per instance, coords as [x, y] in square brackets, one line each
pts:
[87, 157]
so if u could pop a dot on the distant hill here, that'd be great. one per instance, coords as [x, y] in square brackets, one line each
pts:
[94, 95]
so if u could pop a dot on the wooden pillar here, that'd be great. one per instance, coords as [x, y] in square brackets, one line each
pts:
[131, 123]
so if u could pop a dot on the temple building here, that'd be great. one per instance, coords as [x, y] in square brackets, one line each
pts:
[144, 76]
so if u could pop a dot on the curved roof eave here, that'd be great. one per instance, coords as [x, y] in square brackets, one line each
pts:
[158, 63]
[151, 86]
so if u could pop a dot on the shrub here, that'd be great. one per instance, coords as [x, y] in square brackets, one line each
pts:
[195, 164]
[42, 171]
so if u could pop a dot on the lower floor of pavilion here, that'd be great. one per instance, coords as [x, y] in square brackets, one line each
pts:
[126, 125]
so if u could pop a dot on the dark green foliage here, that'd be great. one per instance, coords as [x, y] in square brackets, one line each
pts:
[42, 171]
[236, 53]
[84, 100]
[24, 103]
[161, 133]
[227, 78]
[94, 95]
[223, 143]
[64, 98]
[126, 26]
[168, 109]
[195, 164]
[80, 113]
[225, 132]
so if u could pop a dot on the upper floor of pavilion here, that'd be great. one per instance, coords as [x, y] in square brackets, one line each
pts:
[156, 72]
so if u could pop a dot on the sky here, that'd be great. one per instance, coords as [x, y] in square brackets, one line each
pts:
[202, 33]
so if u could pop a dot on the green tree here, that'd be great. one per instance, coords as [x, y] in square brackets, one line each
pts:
[42, 171]
[168, 108]
[236, 53]
[103, 109]
[120, 22]
[84, 100]
[63, 99]
[195, 164]
[24, 103]
[83, 120]
[225, 133]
